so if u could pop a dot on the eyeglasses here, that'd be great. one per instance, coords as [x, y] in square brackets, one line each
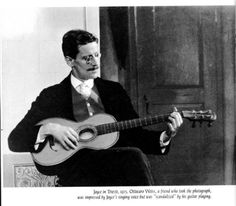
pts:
[88, 59]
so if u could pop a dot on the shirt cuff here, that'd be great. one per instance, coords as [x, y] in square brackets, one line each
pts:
[164, 144]
[40, 137]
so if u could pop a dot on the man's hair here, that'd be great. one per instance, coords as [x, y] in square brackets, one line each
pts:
[73, 39]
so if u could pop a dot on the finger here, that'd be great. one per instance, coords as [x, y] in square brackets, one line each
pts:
[69, 143]
[173, 122]
[72, 139]
[171, 131]
[175, 109]
[171, 128]
[178, 118]
[64, 145]
[75, 134]
[71, 134]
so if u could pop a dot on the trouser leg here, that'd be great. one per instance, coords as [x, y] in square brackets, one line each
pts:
[126, 166]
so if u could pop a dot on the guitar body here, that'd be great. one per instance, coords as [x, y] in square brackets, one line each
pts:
[54, 154]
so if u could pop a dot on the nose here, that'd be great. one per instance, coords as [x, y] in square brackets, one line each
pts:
[94, 61]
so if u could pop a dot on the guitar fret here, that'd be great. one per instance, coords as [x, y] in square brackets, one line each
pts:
[104, 129]
[121, 125]
[114, 127]
[125, 123]
[107, 128]
[130, 123]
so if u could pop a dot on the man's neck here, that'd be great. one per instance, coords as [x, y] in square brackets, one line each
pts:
[75, 76]
[76, 81]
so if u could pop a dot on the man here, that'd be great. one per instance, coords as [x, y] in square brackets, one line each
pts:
[78, 96]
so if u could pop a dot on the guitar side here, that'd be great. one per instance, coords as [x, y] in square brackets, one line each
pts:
[52, 155]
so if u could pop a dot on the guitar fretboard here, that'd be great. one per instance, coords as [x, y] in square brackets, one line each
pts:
[128, 124]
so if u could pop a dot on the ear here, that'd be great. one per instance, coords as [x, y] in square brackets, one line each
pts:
[69, 61]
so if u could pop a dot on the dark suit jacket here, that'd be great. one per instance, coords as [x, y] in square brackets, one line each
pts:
[56, 101]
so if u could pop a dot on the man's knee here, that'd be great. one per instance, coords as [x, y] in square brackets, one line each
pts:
[136, 153]
[132, 154]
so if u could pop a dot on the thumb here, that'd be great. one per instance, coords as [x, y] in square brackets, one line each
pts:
[175, 109]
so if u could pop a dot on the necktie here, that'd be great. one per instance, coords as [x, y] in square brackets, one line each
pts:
[84, 90]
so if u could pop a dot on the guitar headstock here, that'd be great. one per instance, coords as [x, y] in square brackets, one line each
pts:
[200, 116]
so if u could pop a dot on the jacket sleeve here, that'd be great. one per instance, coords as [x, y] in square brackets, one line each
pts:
[23, 136]
[146, 140]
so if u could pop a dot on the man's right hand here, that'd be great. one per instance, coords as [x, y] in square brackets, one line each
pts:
[66, 136]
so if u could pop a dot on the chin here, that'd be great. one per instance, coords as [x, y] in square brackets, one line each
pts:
[93, 76]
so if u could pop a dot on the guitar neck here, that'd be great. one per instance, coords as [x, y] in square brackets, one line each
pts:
[128, 124]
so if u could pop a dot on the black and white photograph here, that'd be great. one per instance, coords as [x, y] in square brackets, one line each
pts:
[114, 104]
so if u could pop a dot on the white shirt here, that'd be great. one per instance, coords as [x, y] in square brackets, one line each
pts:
[76, 82]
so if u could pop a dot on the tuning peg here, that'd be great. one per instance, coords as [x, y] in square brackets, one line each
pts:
[194, 124]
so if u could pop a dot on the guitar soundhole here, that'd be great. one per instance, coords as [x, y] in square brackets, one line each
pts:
[87, 134]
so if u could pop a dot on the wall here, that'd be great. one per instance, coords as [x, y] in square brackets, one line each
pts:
[32, 58]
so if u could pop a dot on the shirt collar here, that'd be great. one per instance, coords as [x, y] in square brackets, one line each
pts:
[76, 82]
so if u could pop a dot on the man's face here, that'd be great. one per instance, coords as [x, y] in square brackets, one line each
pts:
[86, 65]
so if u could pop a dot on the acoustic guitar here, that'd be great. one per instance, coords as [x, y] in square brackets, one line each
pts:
[100, 131]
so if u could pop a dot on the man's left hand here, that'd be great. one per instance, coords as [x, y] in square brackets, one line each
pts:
[175, 122]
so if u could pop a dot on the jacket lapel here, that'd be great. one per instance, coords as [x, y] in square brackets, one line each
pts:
[65, 98]
[107, 95]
